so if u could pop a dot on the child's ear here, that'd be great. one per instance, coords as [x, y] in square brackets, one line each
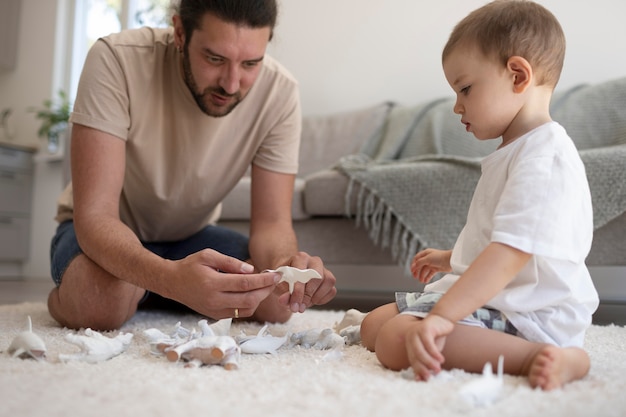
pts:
[521, 72]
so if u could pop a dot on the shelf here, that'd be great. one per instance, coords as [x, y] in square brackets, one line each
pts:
[48, 157]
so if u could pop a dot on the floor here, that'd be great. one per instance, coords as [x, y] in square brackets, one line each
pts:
[19, 291]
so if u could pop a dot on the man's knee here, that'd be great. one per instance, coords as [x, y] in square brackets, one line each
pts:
[90, 297]
[76, 314]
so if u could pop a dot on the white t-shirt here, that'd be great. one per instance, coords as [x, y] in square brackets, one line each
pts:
[533, 195]
[180, 163]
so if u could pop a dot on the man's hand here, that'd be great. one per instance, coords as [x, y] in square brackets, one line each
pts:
[429, 262]
[424, 343]
[315, 292]
[214, 285]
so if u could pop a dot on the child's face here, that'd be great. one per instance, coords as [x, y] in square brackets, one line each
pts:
[485, 96]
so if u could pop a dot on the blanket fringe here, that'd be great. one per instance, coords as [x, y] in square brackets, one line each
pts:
[384, 227]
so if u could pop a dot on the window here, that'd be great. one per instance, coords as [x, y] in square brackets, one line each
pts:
[96, 18]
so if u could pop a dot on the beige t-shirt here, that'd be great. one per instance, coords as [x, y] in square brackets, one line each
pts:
[180, 163]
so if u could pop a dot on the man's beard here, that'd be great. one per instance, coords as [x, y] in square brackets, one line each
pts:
[203, 99]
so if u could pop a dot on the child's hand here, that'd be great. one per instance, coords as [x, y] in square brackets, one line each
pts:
[424, 344]
[429, 262]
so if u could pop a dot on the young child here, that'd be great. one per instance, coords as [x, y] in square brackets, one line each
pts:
[516, 282]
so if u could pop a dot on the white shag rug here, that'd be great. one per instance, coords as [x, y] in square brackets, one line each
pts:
[295, 382]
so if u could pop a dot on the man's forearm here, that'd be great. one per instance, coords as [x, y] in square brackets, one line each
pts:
[115, 248]
[272, 246]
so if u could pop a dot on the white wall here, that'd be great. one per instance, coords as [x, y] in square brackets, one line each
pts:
[351, 53]
[31, 81]
[346, 54]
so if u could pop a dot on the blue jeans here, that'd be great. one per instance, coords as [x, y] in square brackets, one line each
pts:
[64, 248]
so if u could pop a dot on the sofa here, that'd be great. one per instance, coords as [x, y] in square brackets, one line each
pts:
[378, 183]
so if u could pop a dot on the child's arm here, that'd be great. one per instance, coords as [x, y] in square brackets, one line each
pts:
[492, 270]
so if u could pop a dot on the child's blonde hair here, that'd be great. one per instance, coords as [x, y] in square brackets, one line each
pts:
[506, 28]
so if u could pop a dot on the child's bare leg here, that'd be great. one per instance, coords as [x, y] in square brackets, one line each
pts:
[547, 366]
[372, 323]
[390, 342]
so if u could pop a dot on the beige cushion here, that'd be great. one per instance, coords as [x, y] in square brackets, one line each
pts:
[325, 139]
[325, 194]
[236, 205]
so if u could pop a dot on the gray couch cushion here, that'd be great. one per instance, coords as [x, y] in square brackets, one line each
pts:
[593, 115]
[236, 205]
[325, 139]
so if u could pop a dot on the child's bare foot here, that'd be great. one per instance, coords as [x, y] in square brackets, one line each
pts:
[553, 367]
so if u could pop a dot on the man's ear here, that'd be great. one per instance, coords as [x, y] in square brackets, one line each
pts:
[179, 32]
[521, 72]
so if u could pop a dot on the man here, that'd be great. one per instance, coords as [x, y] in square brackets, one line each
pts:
[166, 121]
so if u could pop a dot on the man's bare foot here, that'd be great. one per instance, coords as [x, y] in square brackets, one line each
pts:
[553, 366]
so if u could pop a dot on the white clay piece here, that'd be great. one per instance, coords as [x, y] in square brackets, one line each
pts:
[207, 350]
[291, 275]
[321, 339]
[261, 343]
[350, 326]
[211, 346]
[28, 345]
[95, 347]
[353, 317]
[485, 390]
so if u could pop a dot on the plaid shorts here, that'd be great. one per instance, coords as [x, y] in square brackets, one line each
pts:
[419, 304]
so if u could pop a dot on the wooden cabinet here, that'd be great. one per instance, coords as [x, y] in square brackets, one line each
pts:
[16, 190]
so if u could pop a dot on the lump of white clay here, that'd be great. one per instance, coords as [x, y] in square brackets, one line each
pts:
[318, 339]
[28, 345]
[211, 346]
[485, 390]
[261, 342]
[95, 347]
[351, 334]
[329, 340]
[350, 326]
[292, 275]
[305, 338]
[353, 317]
[207, 350]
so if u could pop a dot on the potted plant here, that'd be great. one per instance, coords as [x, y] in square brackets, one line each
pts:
[54, 117]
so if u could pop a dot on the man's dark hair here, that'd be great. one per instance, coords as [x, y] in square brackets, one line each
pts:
[248, 13]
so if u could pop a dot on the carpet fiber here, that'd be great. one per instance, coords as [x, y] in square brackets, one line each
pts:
[295, 382]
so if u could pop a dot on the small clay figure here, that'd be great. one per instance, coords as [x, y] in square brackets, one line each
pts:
[96, 347]
[353, 317]
[211, 346]
[485, 390]
[208, 350]
[318, 339]
[28, 345]
[261, 342]
[292, 275]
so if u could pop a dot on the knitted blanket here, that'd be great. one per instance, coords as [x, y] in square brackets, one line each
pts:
[415, 184]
